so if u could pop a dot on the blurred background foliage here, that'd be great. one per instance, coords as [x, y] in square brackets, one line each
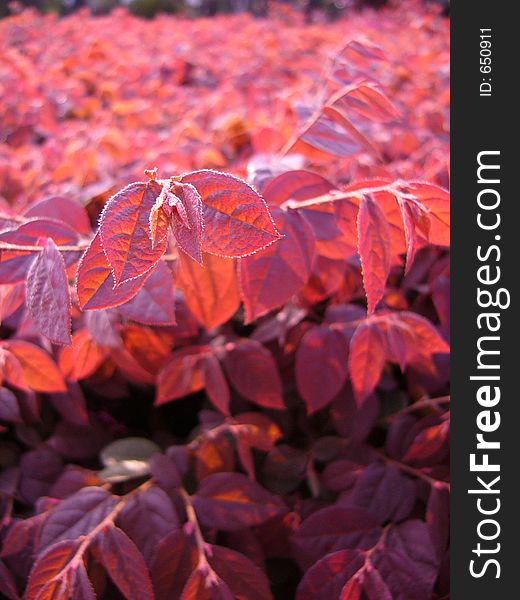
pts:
[149, 8]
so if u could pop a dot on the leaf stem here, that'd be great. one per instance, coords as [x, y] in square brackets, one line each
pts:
[192, 519]
[417, 473]
[28, 248]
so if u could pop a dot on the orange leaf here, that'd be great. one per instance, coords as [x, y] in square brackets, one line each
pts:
[211, 292]
[39, 370]
[236, 219]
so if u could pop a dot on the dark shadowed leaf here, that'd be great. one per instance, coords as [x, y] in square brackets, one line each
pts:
[154, 303]
[77, 515]
[231, 501]
[321, 366]
[253, 373]
[147, 518]
[334, 528]
[217, 387]
[243, 577]
[384, 492]
[326, 579]
[7, 583]
[124, 563]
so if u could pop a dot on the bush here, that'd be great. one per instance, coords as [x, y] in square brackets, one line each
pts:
[214, 387]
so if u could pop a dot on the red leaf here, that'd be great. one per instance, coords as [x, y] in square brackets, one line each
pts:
[429, 341]
[11, 370]
[437, 200]
[80, 584]
[95, 282]
[124, 563]
[21, 534]
[211, 292]
[242, 576]
[285, 468]
[14, 264]
[374, 250]
[103, 327]
[181, 375]
[176, 558]
[296, 185]
[353, 421]
[9, 409]
[257, 430]
[11, 298]
[215, 455]
[414, 215]
[39, 371]
[124, 231]
[366, 359]
[154, 303]
[63, 209]
[331, 132]
[47, 295]
[158, 220]
[236, 219]
[217, 387]
[204, 584]
[272, 276]
[400, 566]
[410, 234]
[50, 578]
[402, 343]
[374, 586]
[338, 117]
[407, 561]
[368, 102]
[438, 518]
[231, 501]
[326, 579]
[146, 346]
[39, 467]
[83, 358]
[71, 405]
[334, 528]
[384, 492]
[253, 373]
[147, 518]
[321, 366]
[7, 584]
[352, 590]
[429, 445]
[30, 232]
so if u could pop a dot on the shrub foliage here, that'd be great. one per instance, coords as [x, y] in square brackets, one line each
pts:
[225, 378]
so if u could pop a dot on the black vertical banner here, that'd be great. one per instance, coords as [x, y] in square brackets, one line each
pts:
[485, 202]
